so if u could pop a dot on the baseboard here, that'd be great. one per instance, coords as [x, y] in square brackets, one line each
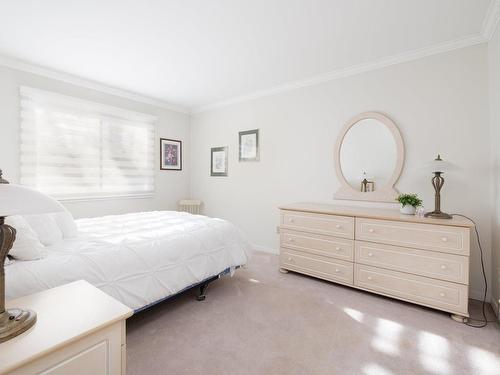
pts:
[265, 249]
[496, 308]
[479, 295]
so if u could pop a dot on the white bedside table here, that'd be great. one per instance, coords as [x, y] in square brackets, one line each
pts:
[80, 330]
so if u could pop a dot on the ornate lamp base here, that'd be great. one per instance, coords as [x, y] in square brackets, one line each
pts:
[13, 322]
[438, 215]
[438, 182]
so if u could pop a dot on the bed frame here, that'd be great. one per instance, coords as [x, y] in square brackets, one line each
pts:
[202, 289]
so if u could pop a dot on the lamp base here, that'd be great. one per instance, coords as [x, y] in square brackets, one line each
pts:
[438, 215]
[13, 322]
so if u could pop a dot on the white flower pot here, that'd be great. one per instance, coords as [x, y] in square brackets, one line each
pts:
[407, 210]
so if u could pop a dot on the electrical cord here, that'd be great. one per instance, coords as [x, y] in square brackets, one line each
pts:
[482, 322]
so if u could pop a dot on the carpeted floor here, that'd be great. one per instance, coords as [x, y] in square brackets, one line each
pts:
[263, 322]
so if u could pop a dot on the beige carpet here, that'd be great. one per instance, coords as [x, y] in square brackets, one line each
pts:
[264, 322]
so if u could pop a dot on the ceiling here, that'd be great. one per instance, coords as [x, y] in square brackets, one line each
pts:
[194, 53]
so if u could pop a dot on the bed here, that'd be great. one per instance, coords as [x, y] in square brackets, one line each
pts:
[137, 258]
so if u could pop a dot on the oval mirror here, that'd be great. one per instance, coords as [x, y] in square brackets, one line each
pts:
[369, 158]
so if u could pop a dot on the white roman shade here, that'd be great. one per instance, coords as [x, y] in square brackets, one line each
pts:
[72, 148]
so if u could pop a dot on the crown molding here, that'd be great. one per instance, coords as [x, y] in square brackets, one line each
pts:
[491, 20]
[82, 82]
[489, 26]
[353, 70]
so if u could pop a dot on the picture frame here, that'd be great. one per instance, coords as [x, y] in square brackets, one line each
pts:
[218, 161]
[249, 145]
[170, 154]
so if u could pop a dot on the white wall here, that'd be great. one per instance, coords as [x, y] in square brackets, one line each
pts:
[170, 185]
[494, 80]
[440, 104]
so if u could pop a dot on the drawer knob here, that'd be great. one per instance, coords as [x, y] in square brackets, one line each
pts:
[443, 267]
[290, 239]
[290, 259]
[337, 270]
[370, 254]
[444, 239]
[337, 248]
[370, 278]
[290, 220]
[441, 294]
[338, 226]
[371, 230]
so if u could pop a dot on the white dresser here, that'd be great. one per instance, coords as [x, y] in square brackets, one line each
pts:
[419, 260]
[80, 330]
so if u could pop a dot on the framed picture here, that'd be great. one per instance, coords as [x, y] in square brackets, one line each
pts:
[218, 161]
[170, 154]
[249, 145]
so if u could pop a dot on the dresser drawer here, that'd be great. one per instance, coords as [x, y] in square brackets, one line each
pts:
[447, 239]
[318, 244]
[339, 226]
[433, 264]
[316, 265]
[429, 292]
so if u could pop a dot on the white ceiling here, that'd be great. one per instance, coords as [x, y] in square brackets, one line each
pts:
[195, 53]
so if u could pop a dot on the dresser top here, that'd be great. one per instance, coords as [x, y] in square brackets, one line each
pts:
[374, 213]
[64, 314]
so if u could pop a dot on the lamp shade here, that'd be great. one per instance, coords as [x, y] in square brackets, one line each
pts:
[439, 165]
[365, 175]
[21, 200]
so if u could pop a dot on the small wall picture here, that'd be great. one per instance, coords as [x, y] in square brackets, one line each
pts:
[249, 145]
[218, 162]
[170, 154]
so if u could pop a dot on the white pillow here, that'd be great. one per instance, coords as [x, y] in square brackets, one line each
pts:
[66, 224]
[27, 246]
[46, 228]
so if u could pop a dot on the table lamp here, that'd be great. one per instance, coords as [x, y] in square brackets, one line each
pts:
[367, 184]
[17, 200]
[438, 166]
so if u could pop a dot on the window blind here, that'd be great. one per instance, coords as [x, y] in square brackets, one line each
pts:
[71, 148]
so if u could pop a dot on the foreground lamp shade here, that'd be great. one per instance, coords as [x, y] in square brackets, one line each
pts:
[21, 200]
[17, 200]
[438, 167]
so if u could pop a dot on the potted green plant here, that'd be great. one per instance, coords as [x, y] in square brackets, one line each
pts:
[409, 203]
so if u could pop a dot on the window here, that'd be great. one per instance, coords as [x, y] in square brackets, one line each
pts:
[71, 148]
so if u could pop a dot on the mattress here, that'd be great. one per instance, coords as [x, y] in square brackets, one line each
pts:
[137, 258]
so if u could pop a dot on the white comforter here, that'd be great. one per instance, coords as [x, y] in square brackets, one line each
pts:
[137, 258]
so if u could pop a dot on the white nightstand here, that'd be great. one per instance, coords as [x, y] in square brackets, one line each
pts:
[79, 330]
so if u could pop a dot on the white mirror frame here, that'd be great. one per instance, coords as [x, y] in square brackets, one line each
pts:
[385, 193]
